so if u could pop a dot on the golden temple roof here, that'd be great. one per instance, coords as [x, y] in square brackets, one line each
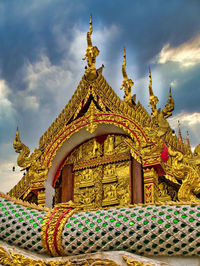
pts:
[94, 97]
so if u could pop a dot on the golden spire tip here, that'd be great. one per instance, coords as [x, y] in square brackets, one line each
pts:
[179, 132]
[149, 71]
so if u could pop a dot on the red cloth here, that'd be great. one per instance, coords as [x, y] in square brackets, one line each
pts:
[165, 154]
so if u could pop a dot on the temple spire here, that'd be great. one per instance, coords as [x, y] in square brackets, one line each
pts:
[153, 100]
[179, 132]
[90, 54]
[188, 140]
[150, 83]
[126, 83]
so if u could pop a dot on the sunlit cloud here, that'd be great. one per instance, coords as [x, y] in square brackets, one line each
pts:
[5, 104]
[186, 118]
[7, 111]
[186, 54]
[8, 177]
[45, 82]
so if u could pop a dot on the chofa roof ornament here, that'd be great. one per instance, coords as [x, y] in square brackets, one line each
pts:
[90, 54]
[153, 100]
[169, 107]
[127, 83]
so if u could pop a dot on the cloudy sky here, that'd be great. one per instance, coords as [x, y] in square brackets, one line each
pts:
[42, 44]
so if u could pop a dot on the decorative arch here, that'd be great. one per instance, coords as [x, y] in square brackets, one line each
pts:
[81, 130]
[90, 123]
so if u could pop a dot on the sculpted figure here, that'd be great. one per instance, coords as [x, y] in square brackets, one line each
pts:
[109, 145]
[87, 196]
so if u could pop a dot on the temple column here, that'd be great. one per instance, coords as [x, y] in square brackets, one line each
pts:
[150, 185]
[41, 197]
[67, 183]
[136, 182]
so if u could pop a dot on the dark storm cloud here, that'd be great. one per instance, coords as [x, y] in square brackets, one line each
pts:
[148, 25]
[185, 84]
[26, 28]
[26, 32]
[187, 94]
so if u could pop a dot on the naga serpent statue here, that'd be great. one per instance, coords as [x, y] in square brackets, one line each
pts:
[187, 174]
[171, 229]
[29, 162]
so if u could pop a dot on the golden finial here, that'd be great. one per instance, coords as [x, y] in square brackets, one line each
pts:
[90, 54]
[17, 132]
[170, 92]
[124, 66]
[169, 107]
[153, 100]
[179, 131]
[126, 83]
[150, 83]
[170, 98]
[89, 41]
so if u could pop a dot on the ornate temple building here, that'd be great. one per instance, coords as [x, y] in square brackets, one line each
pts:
[109, 184]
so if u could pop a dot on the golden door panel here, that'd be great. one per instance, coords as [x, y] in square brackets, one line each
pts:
[103, 186]
[101, 172]
[88, 188]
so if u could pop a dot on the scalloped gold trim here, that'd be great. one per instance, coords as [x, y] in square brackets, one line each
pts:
[24, 203]
[109, 118]
[131, 262]
[11, 258]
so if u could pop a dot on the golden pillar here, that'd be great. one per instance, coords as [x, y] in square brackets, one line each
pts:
[150, 185]
[41, 197]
